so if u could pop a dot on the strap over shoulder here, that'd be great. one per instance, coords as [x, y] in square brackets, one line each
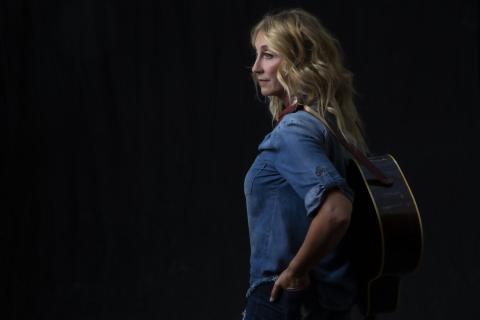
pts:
[352, 149]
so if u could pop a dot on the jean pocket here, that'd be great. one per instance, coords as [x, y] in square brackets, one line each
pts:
[292, 301]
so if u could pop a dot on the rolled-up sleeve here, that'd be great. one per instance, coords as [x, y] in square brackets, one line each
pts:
[302, 160]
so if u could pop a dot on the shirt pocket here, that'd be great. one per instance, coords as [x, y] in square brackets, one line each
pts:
[252, 175]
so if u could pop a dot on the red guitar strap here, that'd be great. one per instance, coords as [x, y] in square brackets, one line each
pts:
[354, 151]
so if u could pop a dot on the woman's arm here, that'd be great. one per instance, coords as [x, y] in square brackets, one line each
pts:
[326, 230]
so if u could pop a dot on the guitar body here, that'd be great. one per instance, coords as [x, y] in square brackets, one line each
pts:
[385, 234]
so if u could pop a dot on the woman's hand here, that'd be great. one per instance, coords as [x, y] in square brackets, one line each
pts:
[327, 228]
[288, 279]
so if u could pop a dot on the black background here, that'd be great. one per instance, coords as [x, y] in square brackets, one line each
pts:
[128, 126]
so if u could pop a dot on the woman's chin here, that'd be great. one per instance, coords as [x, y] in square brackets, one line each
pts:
[265, 92]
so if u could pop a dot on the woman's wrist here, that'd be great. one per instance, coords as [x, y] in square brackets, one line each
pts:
[295, 279]
[297, 269]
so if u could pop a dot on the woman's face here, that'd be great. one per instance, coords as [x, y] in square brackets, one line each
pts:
[265, 68]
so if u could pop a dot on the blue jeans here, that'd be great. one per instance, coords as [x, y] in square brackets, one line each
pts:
[291, 305]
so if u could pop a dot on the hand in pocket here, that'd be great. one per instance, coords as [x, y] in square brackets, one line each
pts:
[292, 300]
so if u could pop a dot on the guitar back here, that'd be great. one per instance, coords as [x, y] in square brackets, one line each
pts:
[385, 234]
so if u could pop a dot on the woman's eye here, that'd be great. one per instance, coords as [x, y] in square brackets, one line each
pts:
[268, 55]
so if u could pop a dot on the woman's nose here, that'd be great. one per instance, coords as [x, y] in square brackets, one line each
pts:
[256, 68]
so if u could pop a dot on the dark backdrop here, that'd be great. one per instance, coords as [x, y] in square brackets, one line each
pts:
[128, 126]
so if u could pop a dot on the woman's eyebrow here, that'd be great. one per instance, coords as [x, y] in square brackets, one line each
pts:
[263, 48]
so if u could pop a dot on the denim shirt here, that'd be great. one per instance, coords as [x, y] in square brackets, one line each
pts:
[298, 162]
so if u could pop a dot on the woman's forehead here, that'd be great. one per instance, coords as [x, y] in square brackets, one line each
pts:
[260, 41]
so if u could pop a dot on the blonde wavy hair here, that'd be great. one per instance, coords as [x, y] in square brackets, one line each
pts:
[312, 71]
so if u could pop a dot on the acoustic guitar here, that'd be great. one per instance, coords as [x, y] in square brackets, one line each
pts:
[385, 233]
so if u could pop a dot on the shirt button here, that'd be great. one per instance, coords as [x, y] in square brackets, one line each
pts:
[320, 171]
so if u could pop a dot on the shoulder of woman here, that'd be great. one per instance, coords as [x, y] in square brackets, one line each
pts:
[299, 128]
[302, 122]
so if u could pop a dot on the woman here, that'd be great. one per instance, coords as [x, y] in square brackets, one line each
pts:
[298, 202]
